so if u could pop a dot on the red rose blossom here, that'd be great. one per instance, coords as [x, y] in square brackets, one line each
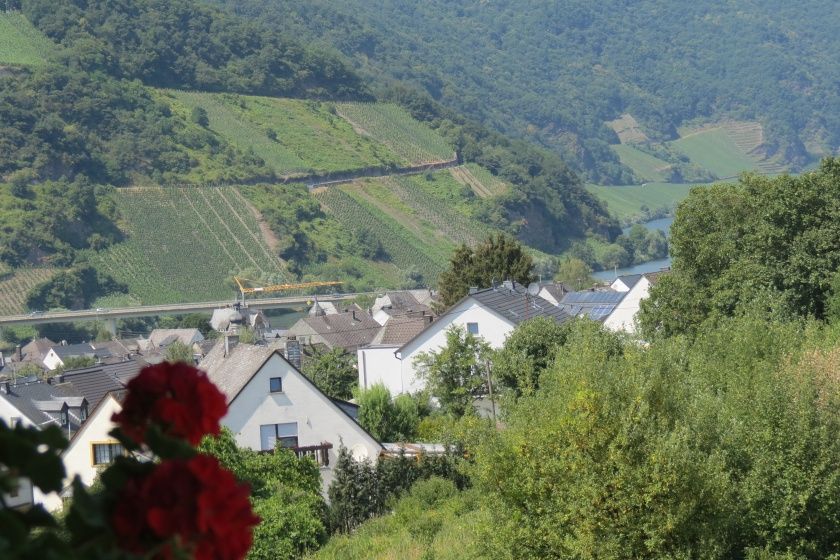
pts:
[193, 505]
[178, 398]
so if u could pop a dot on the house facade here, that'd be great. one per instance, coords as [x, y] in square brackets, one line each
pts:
[271, 403]
[491, 314]
[91, 450]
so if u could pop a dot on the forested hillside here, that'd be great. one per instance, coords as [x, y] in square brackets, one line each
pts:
[104, 102]
[561, 72]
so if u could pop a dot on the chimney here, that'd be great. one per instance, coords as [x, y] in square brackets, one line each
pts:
[227, 345]
[353, 311]
[473, 290]
[508, 284]
[293, 352]
[18, 353]
[2, 360]
[64, 343]
[6, 388]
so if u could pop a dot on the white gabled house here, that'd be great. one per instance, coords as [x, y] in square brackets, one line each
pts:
[635, 287]
[271, 403]
[491, 313]
[91, 450]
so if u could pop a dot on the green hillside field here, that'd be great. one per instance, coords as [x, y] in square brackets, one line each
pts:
[16, 284]
[627, 202]
[645, 166]
[21, 43]
[297, 137]
[417, 220]
[393, 126]
[715, 150]
[185, 244]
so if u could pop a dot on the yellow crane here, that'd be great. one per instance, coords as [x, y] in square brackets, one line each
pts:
[278, 287]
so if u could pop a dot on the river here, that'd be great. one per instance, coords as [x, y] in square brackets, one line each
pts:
[663, 224]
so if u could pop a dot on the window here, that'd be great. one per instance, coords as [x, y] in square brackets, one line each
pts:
[472, 328]
[83, 414]
[105, 453]
[275, 385]
[283, 434]
[64, 418]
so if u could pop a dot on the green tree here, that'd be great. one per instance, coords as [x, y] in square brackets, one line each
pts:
[198, 115]
[388, 419]
[496, 259]
[286, 493]
[760, 239]
[457, 373]
[179, 352]
[575, 273]
[527, 352]
[334, 372]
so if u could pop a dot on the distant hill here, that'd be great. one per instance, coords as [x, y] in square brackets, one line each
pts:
[170, 165]
[562, 73]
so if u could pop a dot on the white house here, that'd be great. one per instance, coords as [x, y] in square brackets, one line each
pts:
[491, 314]
[40, 404]
[91, 450]
[271, 403]
[58, 354]
[636, 288]
[378, 363]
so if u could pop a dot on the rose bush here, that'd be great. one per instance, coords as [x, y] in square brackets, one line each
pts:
[177, 398]
[192, 504]
[162, 501]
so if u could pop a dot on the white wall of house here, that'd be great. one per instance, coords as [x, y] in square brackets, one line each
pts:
[52, 361]
[10, 414]
[491, 327]
[378, 364]
[623, 318]
[78, 457]
[619, 286]
[317, 418]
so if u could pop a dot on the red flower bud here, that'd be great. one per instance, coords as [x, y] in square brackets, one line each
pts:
[178, 398]
[193, 505]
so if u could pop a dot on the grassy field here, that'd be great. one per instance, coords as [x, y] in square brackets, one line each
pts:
[186, 244]
[393, 126]
[21, 43]
[715, 150]
[15, 285]
[626, 202]
[645, 166]
[293, 136]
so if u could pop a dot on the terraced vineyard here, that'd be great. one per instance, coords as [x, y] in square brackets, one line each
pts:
[186, 244]
[394, 127]
[293, 136]
[483, 183]
[21, 43]
[15, 285]
[405, 249]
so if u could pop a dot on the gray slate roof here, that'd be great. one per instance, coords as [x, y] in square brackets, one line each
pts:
[41, 402]
[97, 381]
[596, 305]
[513, 302]
[399, 330]
[630, 280]
[343, 330]
[82, 349]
